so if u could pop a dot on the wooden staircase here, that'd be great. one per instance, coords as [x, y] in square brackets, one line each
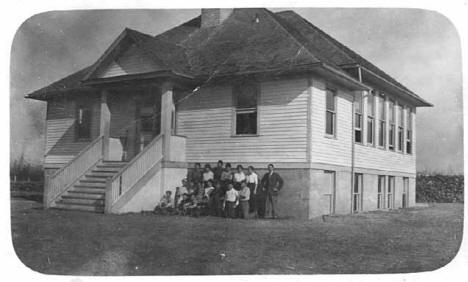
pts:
[88, 194]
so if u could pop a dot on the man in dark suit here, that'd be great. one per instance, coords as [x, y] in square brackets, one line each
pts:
[272, 184]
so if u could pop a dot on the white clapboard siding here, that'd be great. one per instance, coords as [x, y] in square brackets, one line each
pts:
[206, 119]
[132, 61]
[61, 143]
[338, 151]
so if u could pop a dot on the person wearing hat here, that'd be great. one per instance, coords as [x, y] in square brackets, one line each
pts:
[272, 184]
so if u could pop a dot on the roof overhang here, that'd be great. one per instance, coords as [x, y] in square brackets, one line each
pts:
[332, 74]
[370, 78]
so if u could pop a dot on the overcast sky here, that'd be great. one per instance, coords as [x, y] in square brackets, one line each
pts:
[419, 48]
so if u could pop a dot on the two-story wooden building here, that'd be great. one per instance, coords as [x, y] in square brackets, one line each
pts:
[246, 86]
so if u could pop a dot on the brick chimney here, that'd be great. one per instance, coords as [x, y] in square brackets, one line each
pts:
[214, 17]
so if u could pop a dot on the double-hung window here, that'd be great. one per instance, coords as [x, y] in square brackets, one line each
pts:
[246, 109]
[83, 121]
[382, 121]
[358, 119]
[357, 193]
[391, 130]
[400, 128]
[409, 131]
[381, 192]
[370, 118]
[330, 113]
[390, 192]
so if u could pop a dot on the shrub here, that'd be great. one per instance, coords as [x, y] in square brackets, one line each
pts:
[439, 188]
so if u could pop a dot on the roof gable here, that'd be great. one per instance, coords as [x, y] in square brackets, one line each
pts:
[131, 61]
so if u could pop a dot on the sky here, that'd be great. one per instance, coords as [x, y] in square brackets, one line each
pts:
[419, 48]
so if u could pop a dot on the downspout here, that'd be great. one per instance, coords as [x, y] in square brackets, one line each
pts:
[353, 153]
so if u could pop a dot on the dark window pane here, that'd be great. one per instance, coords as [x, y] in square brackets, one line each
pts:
[330, 100]
[83, 122]
[246, 95]
[358, 104]
[381, 101]
[330, 126]
[381, 133]
[370, 105]
[370, 131]
[358, 121]
[358, 136]
[246, 123]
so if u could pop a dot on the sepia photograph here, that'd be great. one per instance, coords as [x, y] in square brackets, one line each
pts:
[236, 141]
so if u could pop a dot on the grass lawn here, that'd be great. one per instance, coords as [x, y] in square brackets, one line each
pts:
[79, 243]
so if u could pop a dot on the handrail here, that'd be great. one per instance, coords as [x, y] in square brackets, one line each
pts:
[77, 156]
[132, 172]
[59, 182]
[134, 159]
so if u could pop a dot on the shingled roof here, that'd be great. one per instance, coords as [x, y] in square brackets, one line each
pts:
[248, 41]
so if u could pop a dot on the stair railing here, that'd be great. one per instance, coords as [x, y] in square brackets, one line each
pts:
[61, 180]
[129, 175]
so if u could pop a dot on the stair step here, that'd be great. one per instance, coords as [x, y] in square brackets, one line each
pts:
[85, 202]
[91, 185]
[99, 175]
[108, 171]
[64, 206]
[93, 180]
[81, 195]
[87, 190]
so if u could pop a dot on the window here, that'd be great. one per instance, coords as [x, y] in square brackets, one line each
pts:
[357, 193]
[404, 195]
[370, 118]
[382, 121]
[391, 130]
[380, 192]
[330, 115]
[358, 119]
[409, 131]
[400, 128]
[83, 122]
[246, 108]
[390, 192]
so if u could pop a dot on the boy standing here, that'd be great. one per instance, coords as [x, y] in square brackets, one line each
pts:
[244, 197]
[231, 200]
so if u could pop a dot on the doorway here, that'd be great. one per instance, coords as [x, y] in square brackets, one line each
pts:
[148, 120]
[404, 195]
[329, 189]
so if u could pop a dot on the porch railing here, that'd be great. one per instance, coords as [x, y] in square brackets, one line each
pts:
[64, 178]
[129, 175]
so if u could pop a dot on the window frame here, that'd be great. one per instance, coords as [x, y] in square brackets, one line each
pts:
[409, 131]
[370, 134]
[332, 112]
[400, 133]
[390, 192]
[236, 110]
[391, 127]
[381, 193]
[382, 134]
[86, 108]
[356, 115]
[358, 194]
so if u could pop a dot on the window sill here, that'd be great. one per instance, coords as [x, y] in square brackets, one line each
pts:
[244, 135]
[329, 136]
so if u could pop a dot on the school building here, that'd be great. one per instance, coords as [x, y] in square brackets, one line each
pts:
[246, 86]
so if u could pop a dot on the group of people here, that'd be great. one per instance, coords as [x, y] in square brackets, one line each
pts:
[225, 193]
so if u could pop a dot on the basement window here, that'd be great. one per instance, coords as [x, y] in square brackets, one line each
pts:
[357, 193]
[330, 113]
[246, 119]
[358, 119]
[83, 122]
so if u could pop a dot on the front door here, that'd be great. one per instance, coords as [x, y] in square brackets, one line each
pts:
[148, 120]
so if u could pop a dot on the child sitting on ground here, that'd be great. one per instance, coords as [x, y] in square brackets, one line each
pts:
[165, 204]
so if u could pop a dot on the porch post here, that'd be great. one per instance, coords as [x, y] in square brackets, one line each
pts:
[104, 127]
[167, 110]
